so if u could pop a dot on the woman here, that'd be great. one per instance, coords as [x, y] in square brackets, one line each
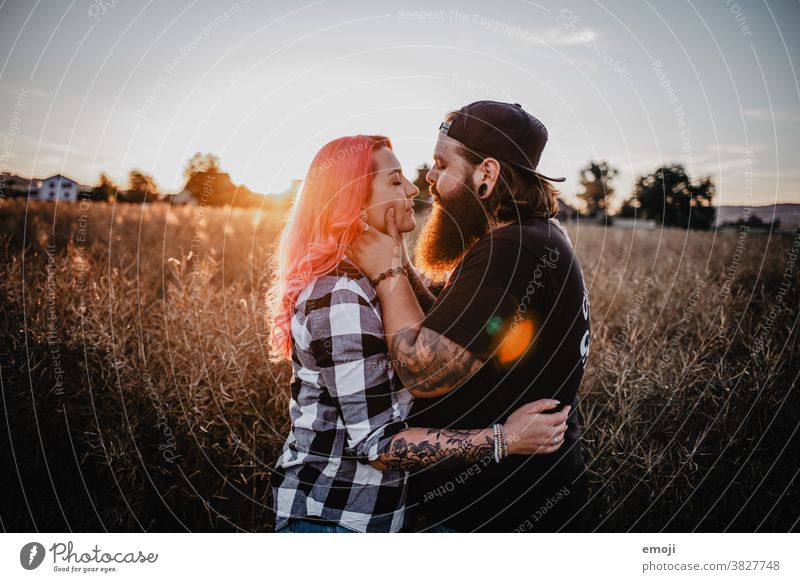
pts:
[344, 464]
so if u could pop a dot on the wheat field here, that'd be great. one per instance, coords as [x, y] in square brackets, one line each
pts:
[137, 393]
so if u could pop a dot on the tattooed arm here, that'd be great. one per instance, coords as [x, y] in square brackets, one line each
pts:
[438, 448]
[528, 432]
[424, 296]
[428, 363]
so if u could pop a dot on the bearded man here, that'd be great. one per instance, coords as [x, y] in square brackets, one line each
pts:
[510, 326]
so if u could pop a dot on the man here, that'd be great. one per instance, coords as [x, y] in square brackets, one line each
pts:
[511, 324]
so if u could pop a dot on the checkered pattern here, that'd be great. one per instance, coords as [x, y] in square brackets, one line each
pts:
[346, 405]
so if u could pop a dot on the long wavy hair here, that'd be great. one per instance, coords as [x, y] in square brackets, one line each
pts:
[323, 221]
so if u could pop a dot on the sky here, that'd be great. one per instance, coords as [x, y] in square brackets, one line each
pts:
[112, 85]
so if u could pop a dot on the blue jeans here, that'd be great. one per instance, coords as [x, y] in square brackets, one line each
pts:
[308, 526]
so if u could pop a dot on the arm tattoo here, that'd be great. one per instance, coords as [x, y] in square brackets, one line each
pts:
[424, 296]
[430, 364]
[436, 448]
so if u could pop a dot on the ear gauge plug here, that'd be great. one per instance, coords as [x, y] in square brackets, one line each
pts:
[482, 190]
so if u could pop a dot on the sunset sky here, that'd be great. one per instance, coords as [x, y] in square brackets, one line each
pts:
[99, 86]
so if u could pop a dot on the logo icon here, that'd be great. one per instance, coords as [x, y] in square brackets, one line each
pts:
[31, 555]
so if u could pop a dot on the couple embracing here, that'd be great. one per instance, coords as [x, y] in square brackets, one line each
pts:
[440, 394]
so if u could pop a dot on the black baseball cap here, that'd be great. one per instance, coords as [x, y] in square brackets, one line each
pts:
[500, 130]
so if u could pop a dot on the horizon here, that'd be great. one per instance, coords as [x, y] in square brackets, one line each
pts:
[107, 87]
[265, 194]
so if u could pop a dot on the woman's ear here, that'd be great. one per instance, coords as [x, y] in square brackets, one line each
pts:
[486, 176]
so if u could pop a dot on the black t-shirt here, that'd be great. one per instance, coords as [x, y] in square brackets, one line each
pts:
[517, 301]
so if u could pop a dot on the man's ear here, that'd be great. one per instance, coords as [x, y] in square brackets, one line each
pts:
[486, 175]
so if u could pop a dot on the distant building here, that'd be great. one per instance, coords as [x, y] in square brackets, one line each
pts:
[632, 223]
[12, 185]
[59, 188]
[566, 212]
[185, 196]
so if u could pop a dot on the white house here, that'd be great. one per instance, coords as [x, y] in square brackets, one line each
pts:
[183, 197]
[59, 188]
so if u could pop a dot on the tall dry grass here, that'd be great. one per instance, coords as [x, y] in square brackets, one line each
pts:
[138, 395]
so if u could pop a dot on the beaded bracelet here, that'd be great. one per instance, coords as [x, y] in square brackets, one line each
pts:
[496, 442]
[503, 442]
[389, 273]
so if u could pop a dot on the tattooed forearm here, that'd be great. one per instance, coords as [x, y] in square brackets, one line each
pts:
[429, 364]
[435, 448]
[422, 293]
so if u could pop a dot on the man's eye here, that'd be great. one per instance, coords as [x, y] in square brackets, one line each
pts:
[397, 183]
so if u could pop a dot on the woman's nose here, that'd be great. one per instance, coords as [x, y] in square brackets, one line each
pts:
[413, 191]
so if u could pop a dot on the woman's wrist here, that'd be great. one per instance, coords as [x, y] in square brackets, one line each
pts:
[393, 272]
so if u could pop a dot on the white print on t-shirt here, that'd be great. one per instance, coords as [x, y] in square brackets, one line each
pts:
[585, 340]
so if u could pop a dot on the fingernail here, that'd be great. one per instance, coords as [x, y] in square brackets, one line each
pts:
[391, 211]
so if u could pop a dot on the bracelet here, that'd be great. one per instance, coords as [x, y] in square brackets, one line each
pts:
[496, 447]
[389, 273]
[503, 442]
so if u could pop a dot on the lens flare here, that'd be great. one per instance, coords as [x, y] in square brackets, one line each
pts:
[515, 342]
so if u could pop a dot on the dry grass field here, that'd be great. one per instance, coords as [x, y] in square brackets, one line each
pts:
[137, 395]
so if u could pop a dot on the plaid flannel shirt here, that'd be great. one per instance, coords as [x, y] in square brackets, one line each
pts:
[346, 405]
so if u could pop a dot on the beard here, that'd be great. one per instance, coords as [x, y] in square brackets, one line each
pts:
[454, 225]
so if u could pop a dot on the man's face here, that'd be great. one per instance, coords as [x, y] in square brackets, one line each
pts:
[458, 217]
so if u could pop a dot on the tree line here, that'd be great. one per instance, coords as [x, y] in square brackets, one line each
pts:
[206, 184]
[667, 195]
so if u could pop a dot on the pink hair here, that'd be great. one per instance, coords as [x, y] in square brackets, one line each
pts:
[323, 221]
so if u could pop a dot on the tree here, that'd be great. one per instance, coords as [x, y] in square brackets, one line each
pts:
[596, 187]
[671, 197]
[201, 164]
[423, 199]
[106, 190]
[141, 188]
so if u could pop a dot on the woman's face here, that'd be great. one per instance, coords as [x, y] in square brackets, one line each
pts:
[390, 189]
